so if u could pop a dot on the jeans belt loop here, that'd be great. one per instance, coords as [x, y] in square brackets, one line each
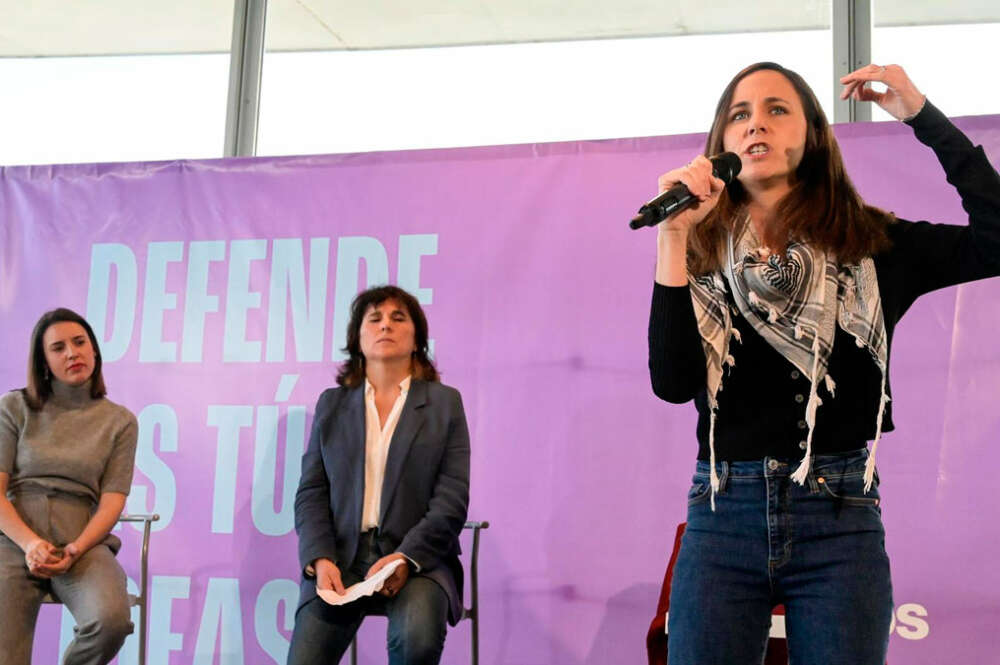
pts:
[723, 477]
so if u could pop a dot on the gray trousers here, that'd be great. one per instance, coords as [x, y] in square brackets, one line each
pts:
[93, 590]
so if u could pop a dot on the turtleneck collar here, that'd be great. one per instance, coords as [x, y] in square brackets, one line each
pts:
[66, 395]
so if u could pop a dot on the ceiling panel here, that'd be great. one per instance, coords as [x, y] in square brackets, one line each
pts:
[109, 27]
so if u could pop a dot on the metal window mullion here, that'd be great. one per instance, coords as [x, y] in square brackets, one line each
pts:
[851, 25]
[245, 65]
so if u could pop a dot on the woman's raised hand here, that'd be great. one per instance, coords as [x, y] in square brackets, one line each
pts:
[901, 99]
[697, 176]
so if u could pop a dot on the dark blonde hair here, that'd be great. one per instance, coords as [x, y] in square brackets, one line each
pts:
[352, 372]
[39, 387]
[822, 208]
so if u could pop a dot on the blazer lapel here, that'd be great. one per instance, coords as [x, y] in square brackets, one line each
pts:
[351, 445]
[410, 422]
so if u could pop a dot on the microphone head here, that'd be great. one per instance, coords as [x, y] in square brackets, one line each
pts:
[726, 166]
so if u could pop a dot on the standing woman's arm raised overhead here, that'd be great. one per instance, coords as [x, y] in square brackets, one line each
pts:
[938, 255]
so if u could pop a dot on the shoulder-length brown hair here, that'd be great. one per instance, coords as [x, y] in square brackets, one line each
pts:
[39, 387]
[822, 208]
[352, 372]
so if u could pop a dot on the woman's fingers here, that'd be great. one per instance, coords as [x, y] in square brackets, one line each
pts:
[901, 98]
[396, 581]
[53, 570]
[705, 188]
[40, 552]
[375, 567]
[856, 83]
[39, 572]
[331, 582]
[328, 576]
[337, 584]
[696, 176]
[702, 171]
[851, 88]
[866, 94]
[867, 74]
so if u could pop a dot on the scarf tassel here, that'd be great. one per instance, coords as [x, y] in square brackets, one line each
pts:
[713, 476]
[802, 472]
[870, 464]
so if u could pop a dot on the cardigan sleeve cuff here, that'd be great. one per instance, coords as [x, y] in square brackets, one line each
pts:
[931, 126]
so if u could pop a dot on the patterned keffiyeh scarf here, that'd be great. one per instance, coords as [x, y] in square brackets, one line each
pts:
[795, 302]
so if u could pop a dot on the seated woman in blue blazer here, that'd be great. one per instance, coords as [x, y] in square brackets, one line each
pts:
[385, 477]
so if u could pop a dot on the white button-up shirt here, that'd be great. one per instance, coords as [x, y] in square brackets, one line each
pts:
[377, 440]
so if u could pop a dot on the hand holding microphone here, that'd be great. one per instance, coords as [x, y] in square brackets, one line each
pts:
[689, 193]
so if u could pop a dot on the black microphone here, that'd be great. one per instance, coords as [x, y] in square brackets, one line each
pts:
[725, 166]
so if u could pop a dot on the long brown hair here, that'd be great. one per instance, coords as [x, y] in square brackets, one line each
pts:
[39, 387]
[822, 208]
[352, 372]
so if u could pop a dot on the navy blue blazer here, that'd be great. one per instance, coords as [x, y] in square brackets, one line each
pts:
[425, 493]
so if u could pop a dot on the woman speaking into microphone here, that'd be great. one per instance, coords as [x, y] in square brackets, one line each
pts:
[774, 308]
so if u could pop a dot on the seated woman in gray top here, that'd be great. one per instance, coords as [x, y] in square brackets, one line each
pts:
[66, 459]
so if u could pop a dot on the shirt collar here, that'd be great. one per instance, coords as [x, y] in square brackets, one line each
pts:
[404, 387]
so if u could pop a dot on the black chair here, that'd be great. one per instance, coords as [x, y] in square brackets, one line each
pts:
[140, 599]
[472, 611]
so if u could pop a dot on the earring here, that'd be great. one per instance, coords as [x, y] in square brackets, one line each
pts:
[48, 373]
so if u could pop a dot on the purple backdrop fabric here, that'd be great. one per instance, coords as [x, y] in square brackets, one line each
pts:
[219, 291]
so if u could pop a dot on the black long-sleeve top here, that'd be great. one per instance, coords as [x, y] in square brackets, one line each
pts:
[761, 406]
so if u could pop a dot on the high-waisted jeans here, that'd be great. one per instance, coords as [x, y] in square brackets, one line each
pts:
[818, 549]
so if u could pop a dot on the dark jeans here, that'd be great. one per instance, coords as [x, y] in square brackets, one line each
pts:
[417, 619]
[818, 549]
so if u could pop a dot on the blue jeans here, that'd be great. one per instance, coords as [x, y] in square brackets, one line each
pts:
[817, 549]
[417, 619]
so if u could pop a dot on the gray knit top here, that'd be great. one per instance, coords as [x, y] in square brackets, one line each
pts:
[74, 444]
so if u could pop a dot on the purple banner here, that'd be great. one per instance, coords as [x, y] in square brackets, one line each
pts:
[219, 291]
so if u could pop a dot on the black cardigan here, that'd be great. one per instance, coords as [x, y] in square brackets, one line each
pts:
[762, 401]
